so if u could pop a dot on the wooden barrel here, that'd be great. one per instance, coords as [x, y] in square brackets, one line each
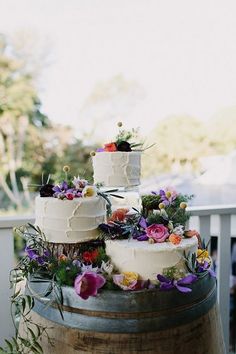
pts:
[147, 321]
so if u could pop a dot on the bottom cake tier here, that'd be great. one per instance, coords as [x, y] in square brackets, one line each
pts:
[147, 259]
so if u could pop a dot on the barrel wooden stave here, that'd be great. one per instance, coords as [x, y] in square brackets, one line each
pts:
[133, 322]
[202, 336]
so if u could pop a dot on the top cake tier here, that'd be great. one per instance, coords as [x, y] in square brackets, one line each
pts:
[117, 169]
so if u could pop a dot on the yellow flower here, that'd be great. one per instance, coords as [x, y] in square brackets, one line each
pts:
[119, 124]
[92, 153]
[168, 194]
[89, 191]
[161, 206]
[66, 168]
[203, 256]
[183, 205]
[202, 253]
[129, 277]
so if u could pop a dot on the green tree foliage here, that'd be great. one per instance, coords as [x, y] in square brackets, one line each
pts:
[180, 141]
[29, 143]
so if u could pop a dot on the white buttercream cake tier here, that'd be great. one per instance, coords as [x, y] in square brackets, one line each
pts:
[148, 259]
[117, 169]
[70, 221]
[130, 199]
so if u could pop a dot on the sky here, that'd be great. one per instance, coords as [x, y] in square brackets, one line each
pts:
[181, 54]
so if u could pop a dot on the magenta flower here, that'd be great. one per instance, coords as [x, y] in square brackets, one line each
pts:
[88, 283]
[157, 232]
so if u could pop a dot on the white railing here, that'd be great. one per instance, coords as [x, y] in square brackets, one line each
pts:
[217, 221]
[6, 264]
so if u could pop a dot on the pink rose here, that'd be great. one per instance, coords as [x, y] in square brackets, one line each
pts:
[157, 232]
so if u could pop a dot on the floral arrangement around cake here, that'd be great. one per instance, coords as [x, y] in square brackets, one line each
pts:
[163, 219]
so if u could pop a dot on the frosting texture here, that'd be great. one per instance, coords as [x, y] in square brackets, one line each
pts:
[70, 221]
[117, 169]
[147, 259]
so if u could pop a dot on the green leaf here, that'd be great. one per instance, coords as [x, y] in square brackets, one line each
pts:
[23, 304]
[38, 346]
[9, 345]
[32, 333]
[33, 227]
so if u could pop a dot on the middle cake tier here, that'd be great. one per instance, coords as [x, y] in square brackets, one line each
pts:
[147, 259]
[70, 221]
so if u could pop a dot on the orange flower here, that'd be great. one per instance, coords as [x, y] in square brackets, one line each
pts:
[62, 258]
[175, 239]
[119, 214]
[110, 147]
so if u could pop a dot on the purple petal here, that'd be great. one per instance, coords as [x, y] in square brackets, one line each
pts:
[40, 260]
[64, 186]
[142, 237]
[212, 273]
[100, 150]
[155, 193]
[166, 286]
[189, 279]
[142, 222]
[163, 279]
[183, 289]
[56, 189]
[46, 253]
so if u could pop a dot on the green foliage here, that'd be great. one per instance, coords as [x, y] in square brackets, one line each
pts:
[150, 202]
[66, 273]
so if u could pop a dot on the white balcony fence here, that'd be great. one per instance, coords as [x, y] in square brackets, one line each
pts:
[217, 221]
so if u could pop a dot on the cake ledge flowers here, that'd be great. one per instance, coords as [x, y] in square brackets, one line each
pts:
[162, 219]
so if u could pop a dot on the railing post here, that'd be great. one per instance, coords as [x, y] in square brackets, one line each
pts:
[205, 228]
[6, 264]
[224, 263]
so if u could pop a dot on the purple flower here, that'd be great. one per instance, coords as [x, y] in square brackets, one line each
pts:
[33, 255]
[100, 150]
[168, 195]
[88, 283]
[61, 189]
[142, 237]
[142, 222]
[168, 284]
[205, 267]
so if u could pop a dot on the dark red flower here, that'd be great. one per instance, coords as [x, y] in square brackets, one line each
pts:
[90, 256]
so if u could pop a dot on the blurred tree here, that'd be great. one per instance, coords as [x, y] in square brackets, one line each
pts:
[29, 143]
[180, 141]
[222, 131]
[19, 109]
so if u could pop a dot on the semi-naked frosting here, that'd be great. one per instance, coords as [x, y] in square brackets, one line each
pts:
[147, 259]
[70, 221]
[117, 169]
